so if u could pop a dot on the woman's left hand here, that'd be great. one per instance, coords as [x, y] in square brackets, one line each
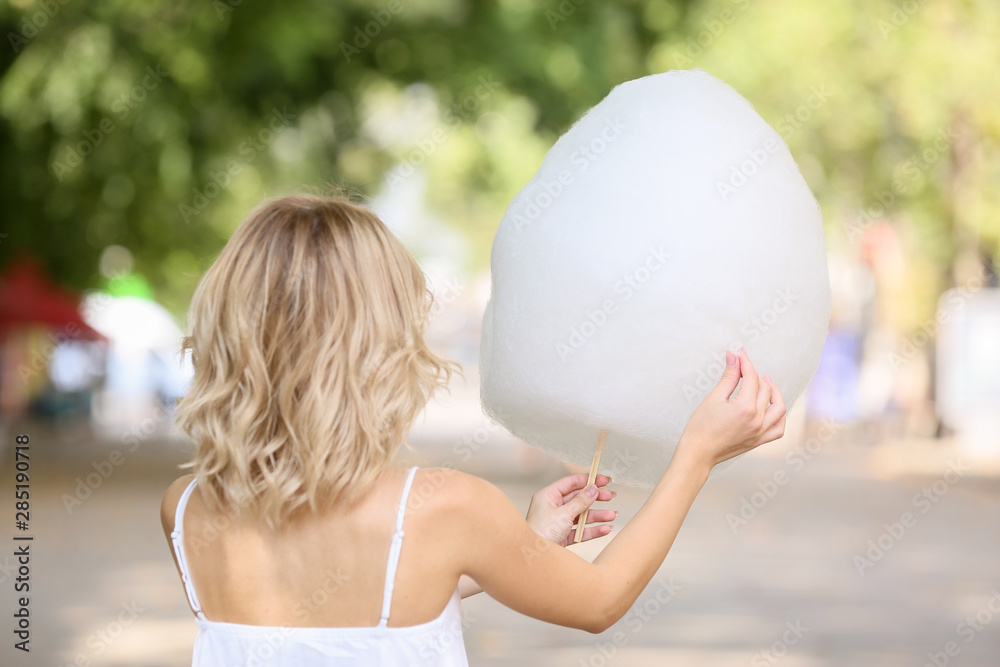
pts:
[553, 513]
[554, 509]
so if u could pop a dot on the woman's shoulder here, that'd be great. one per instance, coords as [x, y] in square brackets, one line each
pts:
[447, 487]
[168, 506]
[461, 498]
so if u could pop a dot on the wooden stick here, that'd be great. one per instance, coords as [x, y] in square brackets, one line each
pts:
[598, 450]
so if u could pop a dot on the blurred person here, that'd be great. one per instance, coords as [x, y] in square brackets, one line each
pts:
[307, 341]
[74, 372]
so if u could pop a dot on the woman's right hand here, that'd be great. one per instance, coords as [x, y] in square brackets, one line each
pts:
[488, 540]
[722, 428]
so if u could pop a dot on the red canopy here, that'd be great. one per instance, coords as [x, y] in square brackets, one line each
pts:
[28, 297]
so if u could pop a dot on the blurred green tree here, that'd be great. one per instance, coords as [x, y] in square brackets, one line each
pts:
[156, 125]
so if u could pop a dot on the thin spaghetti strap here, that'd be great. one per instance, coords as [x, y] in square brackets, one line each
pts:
[397, 543]
[177, 537]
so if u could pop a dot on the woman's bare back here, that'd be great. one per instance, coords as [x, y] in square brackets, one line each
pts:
[322, 570]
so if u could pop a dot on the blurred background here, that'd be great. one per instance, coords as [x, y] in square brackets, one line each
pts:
[136, 135]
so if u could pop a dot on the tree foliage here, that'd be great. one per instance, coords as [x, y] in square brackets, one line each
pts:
[156, 125]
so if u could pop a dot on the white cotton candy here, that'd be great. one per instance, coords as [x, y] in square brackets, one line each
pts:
[668, 225]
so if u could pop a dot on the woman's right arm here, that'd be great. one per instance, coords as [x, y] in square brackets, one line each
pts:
[527, 573]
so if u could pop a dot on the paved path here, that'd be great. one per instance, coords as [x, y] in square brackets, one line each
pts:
[782, 589]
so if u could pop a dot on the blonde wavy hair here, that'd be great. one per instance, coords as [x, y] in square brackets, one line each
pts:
[310, 365]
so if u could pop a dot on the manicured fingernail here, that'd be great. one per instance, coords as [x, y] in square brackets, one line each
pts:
[591, 490]
[616, 514]
[730, 359]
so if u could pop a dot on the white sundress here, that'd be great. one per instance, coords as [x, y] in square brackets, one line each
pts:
[437, 643]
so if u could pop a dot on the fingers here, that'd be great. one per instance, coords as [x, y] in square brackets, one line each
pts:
[751, 381]
[764, 395]
[730, 377]
[570, 484]
[600, 516]
[591, 532]
[602, 495]
[579, 502]
[771, 434]
[567, 485]
[775, 413]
